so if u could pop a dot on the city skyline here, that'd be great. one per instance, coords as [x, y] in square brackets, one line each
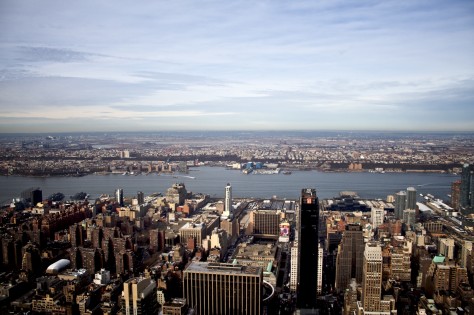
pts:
[369, 65]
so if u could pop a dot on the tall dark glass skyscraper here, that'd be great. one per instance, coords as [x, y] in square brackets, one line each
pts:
[411, 199]
[36, 196]
[400, 204]
[467, 189]
[308, 242]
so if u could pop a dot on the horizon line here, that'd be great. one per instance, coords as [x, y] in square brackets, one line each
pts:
[238, 130]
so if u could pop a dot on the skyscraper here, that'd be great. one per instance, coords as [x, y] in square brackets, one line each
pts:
[319, 286]
[377, 216]
[218, 288]
[411, 198]
[36, 196]
[400, 203]
[140, 197]
[350, 257]
[294, 265]
[456, 194]
[176, 193]
[467, 189]
[372, 278]
[228, 201]
[308, 245]
[119, 196]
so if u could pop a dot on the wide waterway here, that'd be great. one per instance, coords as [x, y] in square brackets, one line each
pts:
[212, 180]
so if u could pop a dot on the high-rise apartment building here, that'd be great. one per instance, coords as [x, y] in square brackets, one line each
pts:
[350, 257]
[77, 235]
[176, 193]
[218, 288]
[228, 210]
[319, 283]
[139, 297]
[400, 263]
[467, 189]
[377, 216]
[31, 258]
[456, 194]
[294, 265]
[411, 198]
[409, 217]
[400, 203]
[140, 197]
[157, 240]
[119, 196]
[441, 278]
[308, 247]
[372, 278]
[446, 247]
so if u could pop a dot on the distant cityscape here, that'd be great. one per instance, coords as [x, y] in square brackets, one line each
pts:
[178, 252]
[137, 153]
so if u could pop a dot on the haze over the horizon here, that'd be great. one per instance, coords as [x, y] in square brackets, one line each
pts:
[236, 65]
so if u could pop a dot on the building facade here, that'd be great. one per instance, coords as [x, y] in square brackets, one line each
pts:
[350, 257]
[139, 297]
[467, 189]
[309, 248]
[266, 223]
[411, 198]
[372, 278]
[228, 210]
[400, 203]
[377, 217]
[456, 194]
[119, 196]
[218, 288]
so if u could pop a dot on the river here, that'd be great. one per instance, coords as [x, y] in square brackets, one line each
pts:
[212, 180]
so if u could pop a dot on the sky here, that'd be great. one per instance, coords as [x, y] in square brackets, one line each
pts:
[68, 66]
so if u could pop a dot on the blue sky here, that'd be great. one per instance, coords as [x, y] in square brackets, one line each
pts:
[236, 65]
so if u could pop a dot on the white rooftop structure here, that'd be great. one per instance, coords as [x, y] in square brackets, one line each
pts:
[58, 266]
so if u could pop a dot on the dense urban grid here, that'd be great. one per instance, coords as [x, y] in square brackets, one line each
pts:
[178, 252]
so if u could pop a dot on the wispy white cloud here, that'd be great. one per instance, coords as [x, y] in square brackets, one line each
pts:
[295, 64]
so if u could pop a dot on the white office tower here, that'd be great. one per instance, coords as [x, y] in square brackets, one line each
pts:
[319, 287]
[377, 217]
[228, 202]
[294, 262]
[294, 267]
[119, 196]
[372, 278]
[411, 198]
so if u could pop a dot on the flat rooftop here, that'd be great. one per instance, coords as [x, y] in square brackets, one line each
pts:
[222, 268]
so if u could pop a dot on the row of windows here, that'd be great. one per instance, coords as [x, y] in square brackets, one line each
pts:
[223, 294]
